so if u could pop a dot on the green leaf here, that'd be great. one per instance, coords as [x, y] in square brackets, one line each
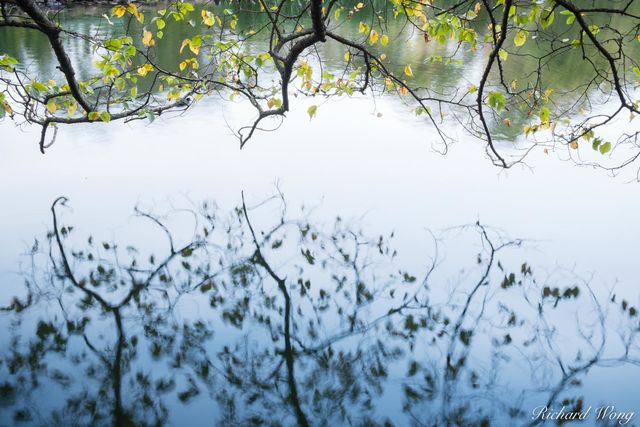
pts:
[605, 148]
[105, 116]
[113, 44]
[312, 111]
[496, 100]
[40, 87]
[520, 38]
[546, 20]
[7, 62]
[544, 114]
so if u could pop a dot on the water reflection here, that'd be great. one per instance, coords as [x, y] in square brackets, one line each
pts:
[265, 316]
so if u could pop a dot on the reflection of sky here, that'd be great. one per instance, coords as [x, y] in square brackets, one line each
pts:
[351, 161]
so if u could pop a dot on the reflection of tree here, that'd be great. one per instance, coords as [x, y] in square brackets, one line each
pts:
[297, 324]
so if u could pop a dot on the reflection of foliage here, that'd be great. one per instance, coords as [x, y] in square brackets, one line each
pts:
[266, 50]
[297, 324]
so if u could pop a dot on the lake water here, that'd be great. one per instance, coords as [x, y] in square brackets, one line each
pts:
[369, 161]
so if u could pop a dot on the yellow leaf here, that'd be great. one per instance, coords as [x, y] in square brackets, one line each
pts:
[207, 18]
[546, 151]
[133, 9]
[472, 88]
[347, 56]
[507, 121]
[520, 38]
[384, 40]
[373, 37]
[359, 5]
[548, 93]
[118, 11]
[362, 27]
[143, 70]
[185, 42]
[183, 65]
[574, 144]
[7, 107]
[477, 7]
[408, 71]
[514, 84]
[52, 107]
[71, 109]
[383, 57]
[147, 38]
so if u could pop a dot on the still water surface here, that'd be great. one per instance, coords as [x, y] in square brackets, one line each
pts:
[366, 160]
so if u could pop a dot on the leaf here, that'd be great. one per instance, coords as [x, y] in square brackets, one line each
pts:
[93, 115]
[312, 111]
[52, 107]
[544, 114]
[133, 9]
[520, 38]
[147, 38]
[408, 71]
[143, 70]
[547, 20]
[7, 62]
[503, 54]
[105, 117]
[373, 37]
[574, 144]
[185, 43]
[384, 40]
[118, 11]
[207, 18]
[605, 148]
[160, 23]
[473, 88]
[4, 105]
[496, 100]
[113, 44]
[347, 56]
[40, 87]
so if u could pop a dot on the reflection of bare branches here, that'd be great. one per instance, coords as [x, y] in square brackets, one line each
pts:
[314, 325]
[288, 352]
